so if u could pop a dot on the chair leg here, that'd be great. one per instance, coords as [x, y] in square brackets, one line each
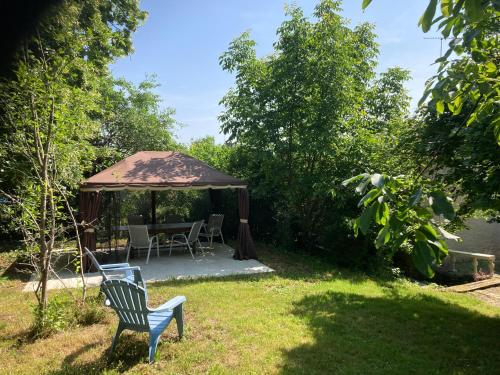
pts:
[171, 243]
[189, 248]
[149, 251]
[211, 241]
[222, 238]
[157, 248]
[179, 319]
[153, 344]
[119, 330]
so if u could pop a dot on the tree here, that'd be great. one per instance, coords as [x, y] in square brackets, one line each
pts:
[48, 112]
[305, 117]
[472, 77]
[48, 148]
[131, 120]
[469, 82]
[215, 155]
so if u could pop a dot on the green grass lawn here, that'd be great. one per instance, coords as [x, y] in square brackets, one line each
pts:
[307, 318]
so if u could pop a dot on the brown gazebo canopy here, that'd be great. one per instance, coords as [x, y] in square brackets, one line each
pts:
[156, 171]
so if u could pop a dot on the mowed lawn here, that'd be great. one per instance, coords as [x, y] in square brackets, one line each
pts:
[307, 318]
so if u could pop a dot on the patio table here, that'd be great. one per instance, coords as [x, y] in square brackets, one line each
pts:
[170, 228]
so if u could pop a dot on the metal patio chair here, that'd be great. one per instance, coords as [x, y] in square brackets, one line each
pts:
[213, 228]
[190, 241]
[131, 304]
[140, 239]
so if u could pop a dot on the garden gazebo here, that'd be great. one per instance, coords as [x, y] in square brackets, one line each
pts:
[157, 171]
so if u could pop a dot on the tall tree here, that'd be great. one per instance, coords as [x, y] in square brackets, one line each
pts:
[48, 112]
[466, 90]
[301, 116]
[131, 120]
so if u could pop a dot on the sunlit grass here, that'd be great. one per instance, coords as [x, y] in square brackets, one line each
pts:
[307, 318]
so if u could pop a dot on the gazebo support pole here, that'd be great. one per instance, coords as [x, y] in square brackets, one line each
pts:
[153, 207]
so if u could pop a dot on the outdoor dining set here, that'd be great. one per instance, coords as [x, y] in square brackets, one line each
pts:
[178, 234]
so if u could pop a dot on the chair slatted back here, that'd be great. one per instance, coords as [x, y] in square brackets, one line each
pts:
[135, 220]
[195, 231]
[139, 236]
[215, 223]
[129, 302]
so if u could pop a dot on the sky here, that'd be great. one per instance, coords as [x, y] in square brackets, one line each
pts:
[181, 41]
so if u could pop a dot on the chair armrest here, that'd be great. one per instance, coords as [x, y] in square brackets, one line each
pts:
[170, 305]
[115, 265]
[178, 235]
[129, 268]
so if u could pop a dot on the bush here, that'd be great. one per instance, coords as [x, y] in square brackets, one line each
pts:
[63, 313]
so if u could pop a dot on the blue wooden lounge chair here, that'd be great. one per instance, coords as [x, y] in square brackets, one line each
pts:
[130, 303]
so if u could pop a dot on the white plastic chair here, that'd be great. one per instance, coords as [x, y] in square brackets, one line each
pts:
[140, 239]
[213, 228]
[190, 241]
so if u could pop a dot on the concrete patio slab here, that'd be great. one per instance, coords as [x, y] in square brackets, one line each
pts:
[213, 263]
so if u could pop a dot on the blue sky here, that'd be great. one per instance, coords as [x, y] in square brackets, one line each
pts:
[181, 42]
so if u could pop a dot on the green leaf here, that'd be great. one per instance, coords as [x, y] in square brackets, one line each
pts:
[369, 197]
[365, 4]
[441, 205]
[362, 186]
[365, 219]
[426, 19]
[446, 7]
[440, 249]
[429, 231]
[423, 257]
[377, 180]
[496, 129]
[415, 197]
[355, 227]
[474, 9]
[355, 178]
[382, 214]
[440, 106]
[384, 235]
[448, 235]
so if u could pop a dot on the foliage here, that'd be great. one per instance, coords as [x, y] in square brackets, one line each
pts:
[464, 159]
[63, 313]
[405, 218]
[215, 155]
[472, 26]
[48, 144]
[306, 117]
[96, 31]
[49, 320]
[464, 92]
[132, 120]
[49, 106]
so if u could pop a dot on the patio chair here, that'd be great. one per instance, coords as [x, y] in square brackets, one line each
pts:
[140, 239]
[190, 241]
[131, 304]
[213, 228]
[117, 270]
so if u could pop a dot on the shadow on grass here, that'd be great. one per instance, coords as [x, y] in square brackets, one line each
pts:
[132, 349]
[287, 264]
[355, 334]
[16, 269]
